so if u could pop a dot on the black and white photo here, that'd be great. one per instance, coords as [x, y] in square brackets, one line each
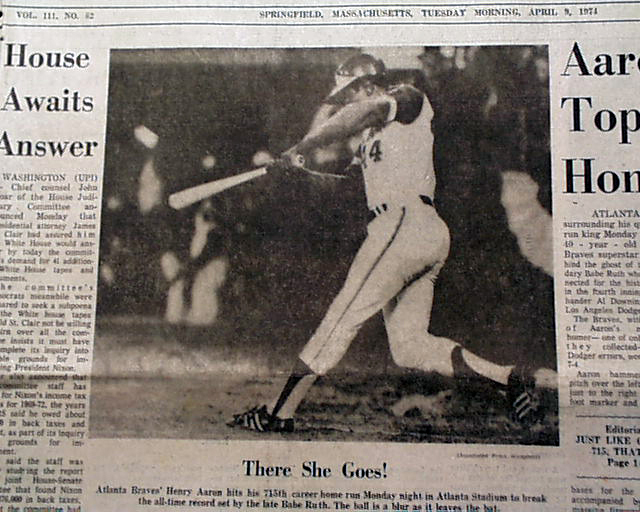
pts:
[337, 244]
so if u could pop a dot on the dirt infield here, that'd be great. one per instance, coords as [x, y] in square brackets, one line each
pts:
[151, 383]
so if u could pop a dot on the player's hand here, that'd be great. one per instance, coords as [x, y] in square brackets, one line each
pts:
[289, 160]
[294, 158]
[279, 165]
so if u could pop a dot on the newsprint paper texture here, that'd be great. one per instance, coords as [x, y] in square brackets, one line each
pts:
[228, 280]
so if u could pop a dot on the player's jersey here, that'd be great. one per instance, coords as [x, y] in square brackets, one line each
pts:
[397, 158]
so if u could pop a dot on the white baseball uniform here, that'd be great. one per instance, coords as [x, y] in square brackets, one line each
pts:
[406, 245]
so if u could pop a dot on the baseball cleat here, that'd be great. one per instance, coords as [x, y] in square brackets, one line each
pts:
[520, 395]
[258, 419]
[520, 388]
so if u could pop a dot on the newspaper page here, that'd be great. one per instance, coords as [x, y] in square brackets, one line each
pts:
[228, 280]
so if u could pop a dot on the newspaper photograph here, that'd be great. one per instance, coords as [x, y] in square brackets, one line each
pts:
[237, 270]
[343, 257]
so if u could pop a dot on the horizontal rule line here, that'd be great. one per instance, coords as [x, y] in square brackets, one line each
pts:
[587, 477]
[327, 6]
[607, 416]
[327, 24]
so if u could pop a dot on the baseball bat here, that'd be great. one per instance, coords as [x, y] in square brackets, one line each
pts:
[192, 195]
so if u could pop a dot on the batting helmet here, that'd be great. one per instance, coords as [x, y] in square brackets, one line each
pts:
[354, 70]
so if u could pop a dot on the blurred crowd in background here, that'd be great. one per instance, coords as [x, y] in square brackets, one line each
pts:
[269, 255]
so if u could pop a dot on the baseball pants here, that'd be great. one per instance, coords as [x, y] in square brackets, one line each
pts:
[395, 271]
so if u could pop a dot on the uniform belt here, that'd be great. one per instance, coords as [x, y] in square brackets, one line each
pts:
[383, 207]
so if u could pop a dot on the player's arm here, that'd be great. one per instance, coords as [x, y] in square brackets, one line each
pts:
[403, 104]
[348, 121]
[324, 112]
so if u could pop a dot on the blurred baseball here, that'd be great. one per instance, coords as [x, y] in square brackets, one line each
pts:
[145, 136]
[208, 162]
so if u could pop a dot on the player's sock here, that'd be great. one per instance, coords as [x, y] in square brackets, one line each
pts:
[487, 369]
[292, 395]
[433, 354]
[294, 391]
